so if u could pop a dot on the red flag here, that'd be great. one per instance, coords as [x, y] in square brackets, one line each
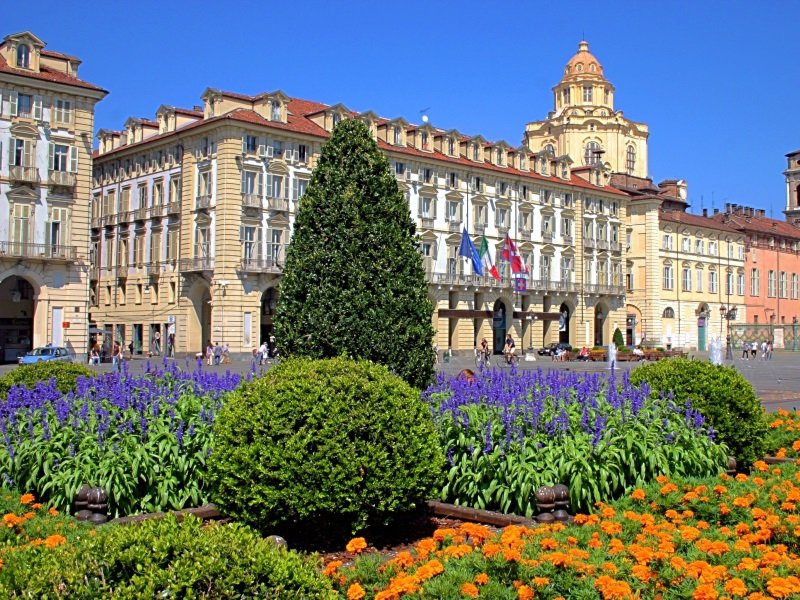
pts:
[511, 254]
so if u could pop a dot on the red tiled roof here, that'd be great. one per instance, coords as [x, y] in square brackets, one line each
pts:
[48, 74]
[758, 224]
[685, 218]
[53, 54]
[188, 111]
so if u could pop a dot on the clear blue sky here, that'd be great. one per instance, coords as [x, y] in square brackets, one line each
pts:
[717, 82]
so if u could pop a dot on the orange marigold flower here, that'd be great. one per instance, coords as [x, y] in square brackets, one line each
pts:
[615, 546]
[11, 520]
[705, 591]
[356, 545]
[610, 527]
[642, 573]
[482, 579]
[549, 544]
[612, 589]
[662, 479]
[440, 534]
[796, 446]
[470, 590]
[736, 587]
[638, 494]
[540, 581]
[331, 568]
[425, 547]
[720, 489]
[55, 540]
[27, 499]
[37, 505]
[610, 567]
[760, 465]
[741, 477]
[479, 533]
[403, 559]
[428, 570]
[355, 591]
[52, 512]
[458, 551]
[524, 593]
[783, 587]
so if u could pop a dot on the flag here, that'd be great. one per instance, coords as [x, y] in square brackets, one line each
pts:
[511, 254]
[468, 250]
[486, 258]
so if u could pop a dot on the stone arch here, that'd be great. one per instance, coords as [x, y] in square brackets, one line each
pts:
[269, 302]
[601, 324]
[634, 326]
[198, 326]
[23, 317]
[566, 322]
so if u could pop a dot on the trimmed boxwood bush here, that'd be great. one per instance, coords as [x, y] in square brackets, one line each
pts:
[162, 559]
[66, 375]
[720, 393]
[336, 443]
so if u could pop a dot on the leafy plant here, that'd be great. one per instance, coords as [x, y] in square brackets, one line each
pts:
[507, 434]
[618, 340]
[722, 394]
[783, 438]
[145, 439]
[333, 443]
[353, 283]
[163, 559]
[65, 374]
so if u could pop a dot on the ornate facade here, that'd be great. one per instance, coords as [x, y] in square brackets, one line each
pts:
[46, 128]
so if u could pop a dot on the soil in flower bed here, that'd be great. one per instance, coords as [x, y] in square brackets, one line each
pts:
[404, 533]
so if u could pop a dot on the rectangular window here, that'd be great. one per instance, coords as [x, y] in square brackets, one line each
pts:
[667, 242]
[275, 186]
[21, 224]
[712, 282]
[698, 246]
[686, 244]
[399, 168]
[741, 252]
[22, 153]
[771, 284]
[202, 242]
[566, 95]
[173, 238]
[740, 284]
[138, 249]
[502, 216]
[172, 292]
[699, 279]
[302, 153]
[729, 283]
[587, 94]
[59, 157]
[58, 228]
[206, 184]
[155, 247]
[452, 180]
[62, 111]
[544, 268]
[686, 280]
[125, 199]
[175, 189]
[427, 207]
[398, 138]
[427, 175]
[754, 283]
[158, 193]
[794, 286]
[249, 144]
[712, 248]
[143, 196]
[453, 211]
[299, 187]
[668, 282]
[566, 227]
[122, 257]
[782, 285]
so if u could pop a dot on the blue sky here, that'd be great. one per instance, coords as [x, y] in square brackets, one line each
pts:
[717, 82]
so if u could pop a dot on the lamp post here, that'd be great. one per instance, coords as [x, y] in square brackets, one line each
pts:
[598, 325]
[531, 318]
[728, 313]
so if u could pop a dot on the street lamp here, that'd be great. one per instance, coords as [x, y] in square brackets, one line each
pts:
[729, 314]
[530, 318]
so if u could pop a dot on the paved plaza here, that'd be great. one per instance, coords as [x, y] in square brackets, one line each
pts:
[777, 381]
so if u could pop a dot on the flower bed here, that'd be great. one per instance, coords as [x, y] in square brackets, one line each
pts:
[783, 439]
[507, 433]
[676, 538]
[143, 438]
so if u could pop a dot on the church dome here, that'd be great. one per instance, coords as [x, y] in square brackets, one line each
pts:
[583, 64]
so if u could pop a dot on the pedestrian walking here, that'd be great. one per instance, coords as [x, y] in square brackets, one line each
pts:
[116, 357]
[745, 350]
[769, 350]
[763, 350]
[209, 353]
[217, 353]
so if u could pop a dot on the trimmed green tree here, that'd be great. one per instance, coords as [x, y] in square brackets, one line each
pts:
[619, 342]
[353, 282]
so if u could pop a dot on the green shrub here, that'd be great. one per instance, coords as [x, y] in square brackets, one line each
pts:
[336, 443]
[720, 393]
[618, 340]
[163, 559]
[66, 375]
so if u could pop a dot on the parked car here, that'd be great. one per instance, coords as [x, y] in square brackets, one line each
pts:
[45, 353]
[550, 349]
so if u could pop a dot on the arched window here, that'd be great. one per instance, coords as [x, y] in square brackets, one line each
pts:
[591, 155]
[630, 159]
[23, 56]
[550, 149]
[668, 313]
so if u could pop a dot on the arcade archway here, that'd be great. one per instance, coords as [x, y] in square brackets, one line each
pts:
[17, 312]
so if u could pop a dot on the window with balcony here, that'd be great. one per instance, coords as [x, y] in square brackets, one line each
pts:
[125, 199]
[481, 213]
[544, 267]
[206, 184]
[202, 242]
[276, 186]
[138, 249]
[57, 228]
[712, 282]
[427, 207]
[21, 223]
[668, 280]
[144, 199]
[22, 152]
[173, 242]
[123, 252]
[62, 111]
[567, 226]
[250, 237]
[503, 217]
[155, 247]
[252, 185]
[602, 272]
[158, 192]
[567, 267]
[771, 284]
[588, 271]
[63, 158]
[453, 211]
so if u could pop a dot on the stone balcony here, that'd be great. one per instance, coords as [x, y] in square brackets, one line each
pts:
[61, 178]
[40, 252]
[196, 264]
[23, 174]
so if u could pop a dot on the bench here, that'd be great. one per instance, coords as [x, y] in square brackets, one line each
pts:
[595, 355]
[628, 357]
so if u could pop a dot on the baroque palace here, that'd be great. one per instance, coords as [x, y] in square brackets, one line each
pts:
[178, 229]
[46, 129]
[192, 212]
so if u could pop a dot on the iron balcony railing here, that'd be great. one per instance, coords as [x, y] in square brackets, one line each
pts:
[38, 251]
[62, 178]
[198, 263]
[153, 268]
[271, 262]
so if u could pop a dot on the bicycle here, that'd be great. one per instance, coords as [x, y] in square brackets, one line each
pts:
[482, 359]
[510, 360]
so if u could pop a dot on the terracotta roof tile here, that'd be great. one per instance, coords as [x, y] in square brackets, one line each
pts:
[685, 218]
[758, 224]
[48, 74]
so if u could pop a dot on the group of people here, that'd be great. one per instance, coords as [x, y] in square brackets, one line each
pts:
[217, 354]
[266, 351]
[750, 350]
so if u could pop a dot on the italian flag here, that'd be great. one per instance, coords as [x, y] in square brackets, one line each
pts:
[486, 258]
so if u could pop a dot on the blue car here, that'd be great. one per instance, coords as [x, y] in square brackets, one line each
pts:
[46, 353]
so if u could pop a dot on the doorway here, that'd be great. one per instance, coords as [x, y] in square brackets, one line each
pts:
[499, 327]
[563, 323]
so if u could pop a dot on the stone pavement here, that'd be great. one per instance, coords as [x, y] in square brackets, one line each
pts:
[777, 381]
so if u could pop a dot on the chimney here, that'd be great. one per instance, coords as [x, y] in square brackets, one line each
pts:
[761, 212]
[705, 212]
[198, 108]
[716, 211]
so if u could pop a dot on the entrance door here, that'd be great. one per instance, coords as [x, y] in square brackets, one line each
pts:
[701, 334]
[499, 327]
[630, 329]
[563, 324]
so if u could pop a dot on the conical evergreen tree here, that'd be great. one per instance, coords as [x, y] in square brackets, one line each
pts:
[353, 283]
